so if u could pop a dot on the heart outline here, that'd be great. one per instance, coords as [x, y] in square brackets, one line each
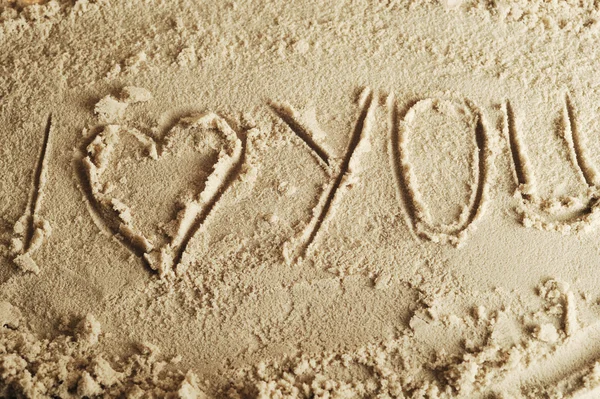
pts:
[188, 220]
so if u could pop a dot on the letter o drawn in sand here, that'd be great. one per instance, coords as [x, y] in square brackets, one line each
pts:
[452, 160]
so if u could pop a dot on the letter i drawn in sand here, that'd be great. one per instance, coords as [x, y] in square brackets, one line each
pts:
[341, 172]
[564, 215]
[31, 230]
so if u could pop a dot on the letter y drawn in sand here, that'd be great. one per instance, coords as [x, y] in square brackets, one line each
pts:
[341, 173]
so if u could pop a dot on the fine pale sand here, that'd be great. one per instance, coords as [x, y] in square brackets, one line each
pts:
[298, 199]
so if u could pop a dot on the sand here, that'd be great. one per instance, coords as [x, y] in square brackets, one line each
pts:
[276, 199]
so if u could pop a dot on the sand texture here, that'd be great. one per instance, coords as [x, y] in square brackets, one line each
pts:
[300, 199]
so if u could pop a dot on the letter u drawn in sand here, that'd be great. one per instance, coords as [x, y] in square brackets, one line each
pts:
[565, 215]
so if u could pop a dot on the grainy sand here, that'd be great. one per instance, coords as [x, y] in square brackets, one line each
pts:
[275, 199]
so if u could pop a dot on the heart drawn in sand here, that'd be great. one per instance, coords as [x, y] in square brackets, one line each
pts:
[154, 194]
